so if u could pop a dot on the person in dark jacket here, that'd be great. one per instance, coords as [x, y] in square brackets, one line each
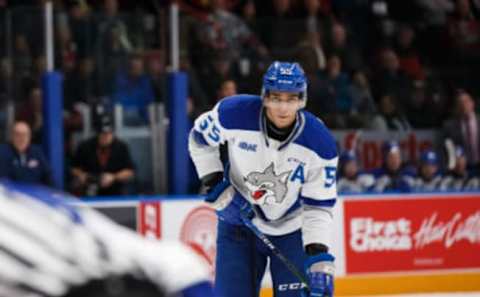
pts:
[22, 161]
[102, 165]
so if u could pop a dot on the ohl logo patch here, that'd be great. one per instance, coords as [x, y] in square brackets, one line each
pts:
[249, 147]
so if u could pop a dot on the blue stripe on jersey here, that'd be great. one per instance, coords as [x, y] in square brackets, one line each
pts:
[240, 112]
[198, 137]
[316, 137]
[262, 215]
[316, 202]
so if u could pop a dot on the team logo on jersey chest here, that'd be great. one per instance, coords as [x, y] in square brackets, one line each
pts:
[266, 187]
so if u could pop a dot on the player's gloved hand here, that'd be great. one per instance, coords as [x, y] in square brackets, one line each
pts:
[320, 271]
[228, 205]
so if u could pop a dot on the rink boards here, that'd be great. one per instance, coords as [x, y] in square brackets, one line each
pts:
[383, 243]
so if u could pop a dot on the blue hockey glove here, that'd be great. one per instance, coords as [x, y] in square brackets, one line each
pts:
[320, 272]
[227, 203]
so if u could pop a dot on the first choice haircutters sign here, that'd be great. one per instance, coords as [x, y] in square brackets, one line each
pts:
[423, 232]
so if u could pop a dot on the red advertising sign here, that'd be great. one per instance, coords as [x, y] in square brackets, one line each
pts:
[368, 145]
[199, 230]
[412, 234]
[148, 219]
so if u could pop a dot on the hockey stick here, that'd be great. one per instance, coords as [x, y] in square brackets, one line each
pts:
[222, 201]
[290, 266]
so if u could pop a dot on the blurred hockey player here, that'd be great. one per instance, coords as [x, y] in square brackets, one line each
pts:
[282, 170]
[428, 178]
[459, 179]
[392, 176]
[50, 248]
[351, 179]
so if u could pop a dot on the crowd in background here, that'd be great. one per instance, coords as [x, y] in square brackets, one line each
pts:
[382, 65]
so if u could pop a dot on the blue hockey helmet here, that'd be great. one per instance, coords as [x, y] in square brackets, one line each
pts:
[429, 157]
[390, 146]
[348, 156]
[285, 77]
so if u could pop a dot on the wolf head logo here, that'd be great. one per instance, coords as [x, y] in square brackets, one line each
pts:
[266, 187]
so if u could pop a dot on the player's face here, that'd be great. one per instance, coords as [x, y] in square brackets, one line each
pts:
[429, 170]
[282, 107]
[350, 169]
[105, 139]
[394, 160]
[461, 164]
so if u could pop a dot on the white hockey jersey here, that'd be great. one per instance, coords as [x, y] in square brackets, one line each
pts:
[420, 184]
[48, 247]
[291, 184]
[362, 183]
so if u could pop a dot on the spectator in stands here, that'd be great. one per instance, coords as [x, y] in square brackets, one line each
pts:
[432, 38]
[436, 12]
[82, 26]
[26, 83]
[464, 33]
[390, 117]
[80, 85]
[340, 45]
[464, 128]
[459, 178]
[392, 176]
[425, 110]
[234, 31]
[113, 43]
[22, 161]
[133, 90]
[222, 69]
[333, 89]
[311, 55]
[22, 57]
[196, 92]
[390, 79]
[249, 15]
[428, 177]
[280, 30]
[351, 179]
[65, 49]
[227, 88]
[102, 165]
[363, 103]
[226, 34]
[408, 56]
[318, 18]
[31, 112]
[464, 28]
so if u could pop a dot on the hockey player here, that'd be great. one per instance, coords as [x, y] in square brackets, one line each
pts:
[351, 180]
[459, 178]
[428, 177]
[282, 171]
[392, 176]
[51, 248]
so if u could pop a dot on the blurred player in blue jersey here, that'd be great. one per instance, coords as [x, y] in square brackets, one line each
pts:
[428, 177]
[280, 174]
[350, 178]
[50, 248]
[393, 176]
